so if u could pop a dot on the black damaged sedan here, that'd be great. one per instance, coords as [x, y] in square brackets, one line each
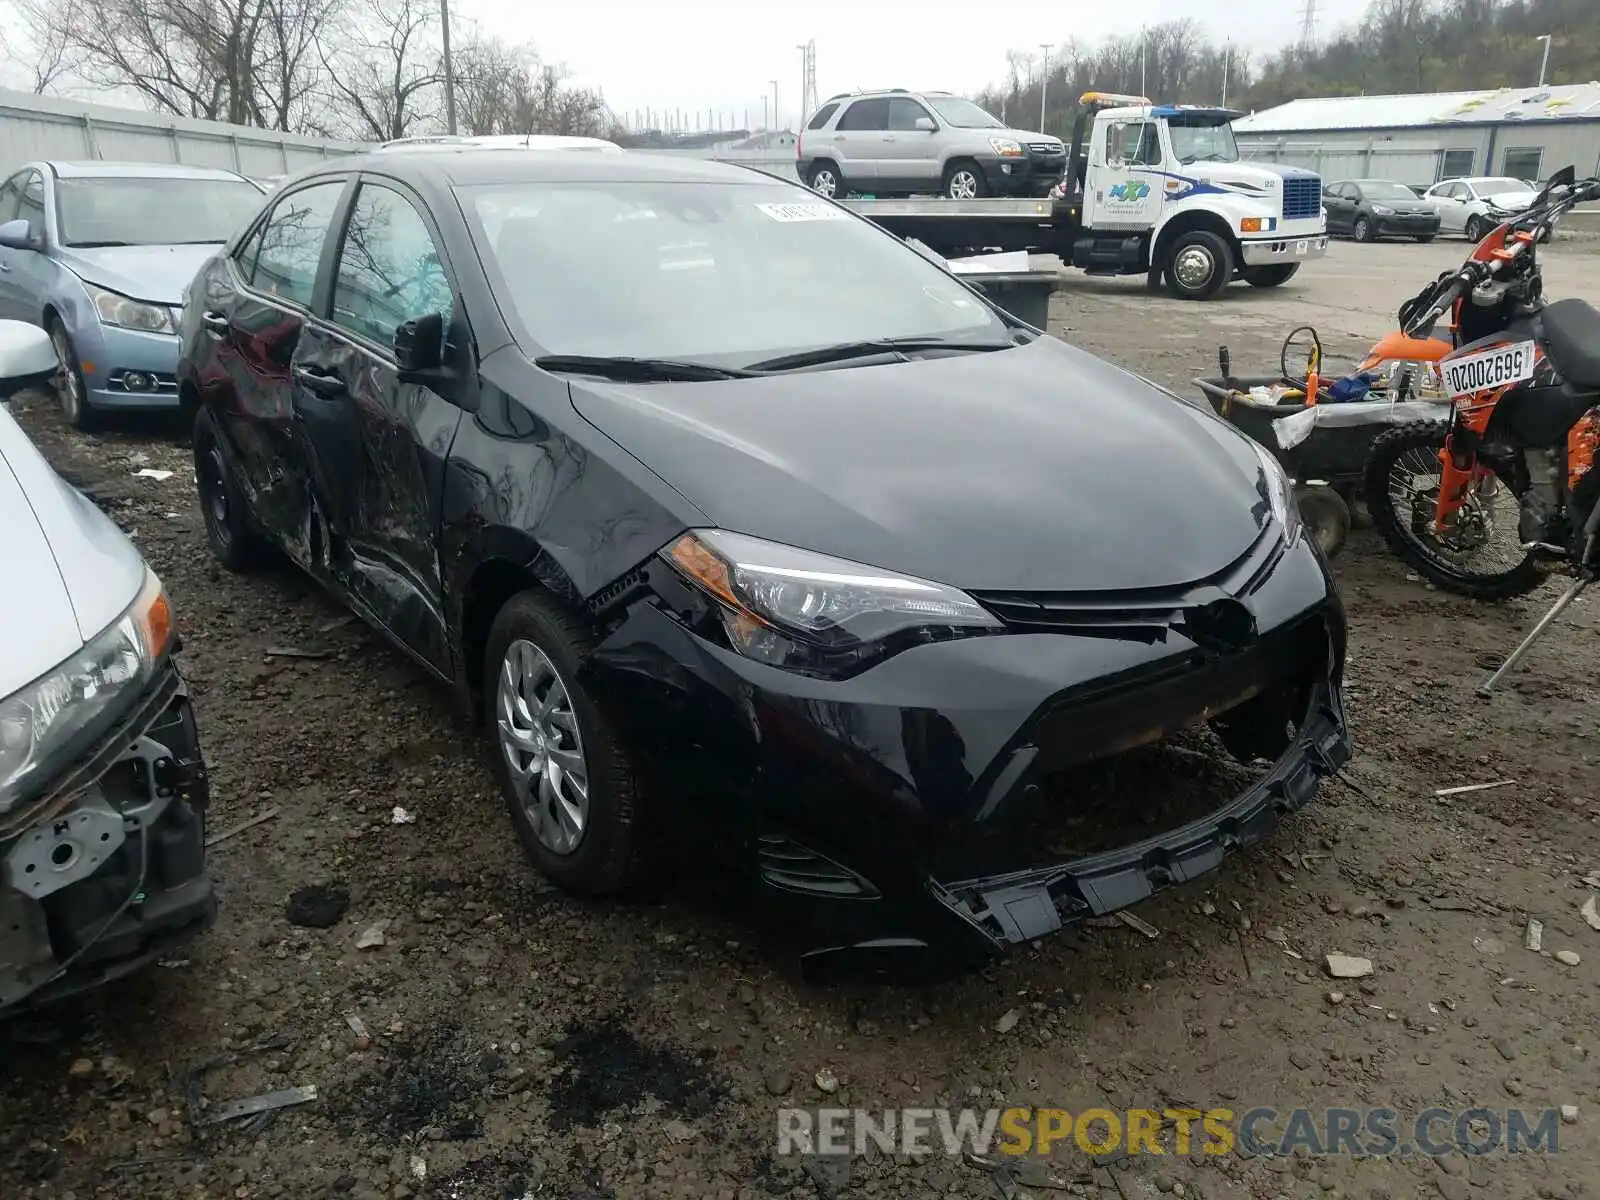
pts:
[748, 531]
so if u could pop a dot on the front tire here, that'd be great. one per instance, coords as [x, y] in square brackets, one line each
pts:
[1326, 516]
[963, 180]
[1410, 535]
[1424, 238]
[1199, 265]
[72, 391]
[1363, 230]
[1475, 229]
[229, 535]
[1270, 277]
[569, 786]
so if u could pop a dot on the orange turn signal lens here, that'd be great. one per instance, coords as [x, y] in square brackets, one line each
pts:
[1250, 225]
[690, 555]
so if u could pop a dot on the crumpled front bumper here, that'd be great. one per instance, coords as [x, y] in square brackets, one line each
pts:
[106, 871]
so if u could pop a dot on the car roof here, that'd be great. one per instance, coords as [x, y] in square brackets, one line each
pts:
[468, 166]
[132, 170]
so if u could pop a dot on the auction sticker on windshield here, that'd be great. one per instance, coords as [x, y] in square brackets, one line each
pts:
[803, 212]
[1489, 369]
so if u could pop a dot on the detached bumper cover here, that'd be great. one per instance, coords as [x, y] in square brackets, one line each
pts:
[106, 871]
[1028, 905]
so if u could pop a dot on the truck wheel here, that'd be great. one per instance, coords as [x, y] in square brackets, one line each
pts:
[1199, 265]
[964, 181]
[1270, 277]
[825, 179]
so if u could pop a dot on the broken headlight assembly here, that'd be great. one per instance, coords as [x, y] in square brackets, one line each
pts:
[1279, 494]
[53, 715]
[815, 614]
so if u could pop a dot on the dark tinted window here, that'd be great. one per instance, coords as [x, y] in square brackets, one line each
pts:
[824, 115]
[903, 114]
[389, 269]
[866, 114]
[291, 242]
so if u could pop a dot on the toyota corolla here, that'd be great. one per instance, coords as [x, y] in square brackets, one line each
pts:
[746, 528]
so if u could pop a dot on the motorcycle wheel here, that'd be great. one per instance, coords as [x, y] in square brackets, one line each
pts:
[1400, 502]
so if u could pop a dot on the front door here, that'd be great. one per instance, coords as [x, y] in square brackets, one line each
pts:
[377, 446]
[1342, 208]
[910, 156]
[12, 301]
[858, 142]
[1126, 185]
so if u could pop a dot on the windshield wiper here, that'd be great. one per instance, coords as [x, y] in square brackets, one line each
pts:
[95, 245]
[638, 370]
[845, 351]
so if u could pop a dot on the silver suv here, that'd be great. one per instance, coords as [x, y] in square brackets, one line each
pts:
[895, 142]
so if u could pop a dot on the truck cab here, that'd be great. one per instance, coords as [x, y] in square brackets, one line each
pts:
[1161, 189]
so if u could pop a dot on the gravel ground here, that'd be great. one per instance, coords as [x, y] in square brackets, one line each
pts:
[505, 1042]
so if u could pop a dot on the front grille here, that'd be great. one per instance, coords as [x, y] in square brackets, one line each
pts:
[1045, 148]
[1302, 197]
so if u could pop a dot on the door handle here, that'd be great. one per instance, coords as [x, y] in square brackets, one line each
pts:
[323, 383]
[5, 266]
[215, 324]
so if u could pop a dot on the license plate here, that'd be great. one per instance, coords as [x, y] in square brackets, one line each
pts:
[1488, 369]
[1301, 247]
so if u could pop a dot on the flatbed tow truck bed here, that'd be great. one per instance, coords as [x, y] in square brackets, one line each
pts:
[951, 227]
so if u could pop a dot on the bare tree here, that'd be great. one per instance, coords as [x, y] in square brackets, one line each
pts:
[385, 77]
[51, 55]
[491, 76]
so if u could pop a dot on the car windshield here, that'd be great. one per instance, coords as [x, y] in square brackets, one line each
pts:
[1202, 142]
[1489, 187]
[132, 211]
[963, 114]
[1386, 191]
[711, 272]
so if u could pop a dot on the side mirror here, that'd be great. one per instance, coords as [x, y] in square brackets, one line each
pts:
[419, 344]
[926, 125]
[18, 235]
[27, 356]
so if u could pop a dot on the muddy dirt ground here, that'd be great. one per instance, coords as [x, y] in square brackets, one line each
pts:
[519, 1044]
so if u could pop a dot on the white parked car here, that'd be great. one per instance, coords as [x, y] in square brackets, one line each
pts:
[103, 790]
[1475, 205]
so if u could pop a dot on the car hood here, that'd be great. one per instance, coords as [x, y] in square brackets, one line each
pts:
[1038, 468]
[72, 571]
[1029, 138]
[1512, 201]
[158, 274]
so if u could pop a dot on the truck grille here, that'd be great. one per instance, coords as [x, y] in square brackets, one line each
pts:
[1302, 197]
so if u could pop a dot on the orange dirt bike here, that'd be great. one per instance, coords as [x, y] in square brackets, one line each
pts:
[1486, 503]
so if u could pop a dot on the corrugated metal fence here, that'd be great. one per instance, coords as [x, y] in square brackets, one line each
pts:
[41, 127]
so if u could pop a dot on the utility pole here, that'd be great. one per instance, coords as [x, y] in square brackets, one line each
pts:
[1142, 74]
[1044, 82]
[774, 103]
[1227, 65]
[449, 71]
[764, 125]
[1544, 63]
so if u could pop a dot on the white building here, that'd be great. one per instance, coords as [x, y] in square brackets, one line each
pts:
[1526, 133]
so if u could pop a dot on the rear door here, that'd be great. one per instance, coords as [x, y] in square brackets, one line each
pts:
[859, 140]
[253, 313]
[377, 446]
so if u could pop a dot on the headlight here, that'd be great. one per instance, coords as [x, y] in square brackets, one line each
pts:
[1279, 494]
[1382, 210]
[116, 309]
[816, 614]
[83, 694]
[1006, 147]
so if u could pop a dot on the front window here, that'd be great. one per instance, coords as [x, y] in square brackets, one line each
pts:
[705, 271]
[1387, 191]
[963, 114]
[132, 211]
[1491, 187]
[1194, 142]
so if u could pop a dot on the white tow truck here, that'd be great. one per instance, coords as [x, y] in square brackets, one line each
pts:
[1150, 189]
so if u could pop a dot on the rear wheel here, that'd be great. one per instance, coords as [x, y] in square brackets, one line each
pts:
[964, 181]
[1480, 556]
[1199, 265]
[1270, 277]
[1363, 229]
[826, 180]
[1424, 238]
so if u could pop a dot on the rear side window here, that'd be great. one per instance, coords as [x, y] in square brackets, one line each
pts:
[824, 115]
[291, 242]
[866, 114]
[389, 268]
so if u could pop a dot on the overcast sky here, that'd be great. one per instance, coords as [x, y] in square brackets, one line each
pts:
[699, 54]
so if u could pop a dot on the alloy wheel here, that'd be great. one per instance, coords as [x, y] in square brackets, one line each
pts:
[69, 384]
[543, 747]
[824, 182]
[963, 185]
